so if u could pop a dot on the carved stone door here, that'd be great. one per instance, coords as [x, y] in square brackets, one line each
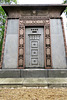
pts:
[34, 50]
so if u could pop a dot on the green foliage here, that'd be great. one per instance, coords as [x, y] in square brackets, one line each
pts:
[66, 7]
[2, 27]
[2, 21]
[8, 1]
[66, 11]
[64, 1]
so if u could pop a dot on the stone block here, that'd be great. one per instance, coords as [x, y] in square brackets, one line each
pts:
[36, 73]
[11, 44]
[57, 44]
[10, 52]
[9, 73]
[12, 27]
[59, 73]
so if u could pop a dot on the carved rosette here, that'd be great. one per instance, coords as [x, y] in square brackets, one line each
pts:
[48, 61]
[21, 45]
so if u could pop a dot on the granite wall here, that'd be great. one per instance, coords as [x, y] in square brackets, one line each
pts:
[57, 44]
[11, 44]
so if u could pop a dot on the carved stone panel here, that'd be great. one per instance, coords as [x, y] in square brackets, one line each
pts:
[48, 45]
[21, 45]
[34, 49]
[34, 52]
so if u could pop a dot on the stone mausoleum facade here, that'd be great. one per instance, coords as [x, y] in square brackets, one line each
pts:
[34, 42]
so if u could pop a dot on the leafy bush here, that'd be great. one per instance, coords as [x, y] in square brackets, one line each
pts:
[65, 1]
[2, 27]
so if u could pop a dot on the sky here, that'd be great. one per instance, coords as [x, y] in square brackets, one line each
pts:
[47, 2]
[39, 1]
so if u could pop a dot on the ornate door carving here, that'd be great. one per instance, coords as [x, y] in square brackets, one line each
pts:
[34, 47]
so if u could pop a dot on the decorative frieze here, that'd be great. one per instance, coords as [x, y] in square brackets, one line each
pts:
[48, 57]
[21, 45]
[34, 21]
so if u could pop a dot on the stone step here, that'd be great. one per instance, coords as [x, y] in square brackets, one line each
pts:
[33, 73]
[33, 82]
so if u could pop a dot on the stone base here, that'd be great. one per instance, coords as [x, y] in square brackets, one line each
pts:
[33, 73]
[9, 73]
[60, 73]
[36, 73]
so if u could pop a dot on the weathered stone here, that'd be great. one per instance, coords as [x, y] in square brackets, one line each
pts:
[16, 11]
[9, 73]
[12, 26]
[33, 73]
[60, 73]
[11, 45]
[11, 52]
[57, 44]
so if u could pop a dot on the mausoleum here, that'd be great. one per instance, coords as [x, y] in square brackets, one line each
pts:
[34, 41]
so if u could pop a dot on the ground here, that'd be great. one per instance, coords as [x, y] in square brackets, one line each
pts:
[33, 93]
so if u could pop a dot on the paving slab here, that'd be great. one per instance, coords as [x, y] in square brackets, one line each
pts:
[56, 80]
[10, 81]
[33, 82]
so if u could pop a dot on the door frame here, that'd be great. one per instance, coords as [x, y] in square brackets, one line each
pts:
[34, 21]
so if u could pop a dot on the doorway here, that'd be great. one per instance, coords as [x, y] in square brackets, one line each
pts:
[34, 48]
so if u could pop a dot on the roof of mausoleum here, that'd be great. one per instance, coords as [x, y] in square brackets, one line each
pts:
[48, 7]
